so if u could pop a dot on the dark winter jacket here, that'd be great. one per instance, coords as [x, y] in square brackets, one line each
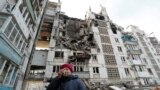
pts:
[66, 83]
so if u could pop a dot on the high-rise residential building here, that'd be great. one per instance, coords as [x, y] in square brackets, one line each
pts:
[43, 49]
[156, 44]
[94, 46]
[19, 25]
[148, 57]
[137, 64]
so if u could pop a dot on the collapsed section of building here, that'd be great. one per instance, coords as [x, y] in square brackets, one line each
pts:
[74, 34]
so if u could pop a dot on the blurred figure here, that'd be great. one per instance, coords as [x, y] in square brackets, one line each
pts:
[65, 80]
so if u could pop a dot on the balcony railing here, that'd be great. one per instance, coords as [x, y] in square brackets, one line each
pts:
[131, 42]
[96, 76]
[136, 62]
[36, 76]
[84, 74]
[127, 79]
[134, 51]
[143, 74]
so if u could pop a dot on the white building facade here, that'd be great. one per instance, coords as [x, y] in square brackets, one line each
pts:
[149, 55]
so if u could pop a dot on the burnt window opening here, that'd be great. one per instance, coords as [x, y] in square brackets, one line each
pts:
[95, 70]
[150, 71]
[64, 21]
[114, 29]
[100, 17]
[59, 54]
[90, 38]
[63, 33]
[44, 38]
[74, 54]
[81, 69]
[95, 23]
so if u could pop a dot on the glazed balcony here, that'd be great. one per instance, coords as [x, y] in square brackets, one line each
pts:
[134, 42]
[134, 51]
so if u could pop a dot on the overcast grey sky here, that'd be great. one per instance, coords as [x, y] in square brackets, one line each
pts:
[143, 13]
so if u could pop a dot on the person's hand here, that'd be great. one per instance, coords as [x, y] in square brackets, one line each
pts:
[64, 72]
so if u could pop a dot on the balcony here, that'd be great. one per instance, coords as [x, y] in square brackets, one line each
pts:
[127, 79]
[96, 76]
[131, 42]
[143, 74]
[113, 80]
[136, 62]
[36, 76]
[134, 51]
[7, 6]
[84, 74]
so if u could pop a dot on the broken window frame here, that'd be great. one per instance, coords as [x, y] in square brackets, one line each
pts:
[99, 17]
[113, 28]
[60, 55]
[95, 70]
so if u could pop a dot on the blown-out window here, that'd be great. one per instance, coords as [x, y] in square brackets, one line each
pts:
[95, 70]
[59, 54]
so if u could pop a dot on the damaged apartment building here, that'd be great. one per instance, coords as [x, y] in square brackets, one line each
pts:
[94, 46]
[101, 52]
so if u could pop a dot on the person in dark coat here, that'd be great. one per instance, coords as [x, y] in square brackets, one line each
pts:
[65, 80]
